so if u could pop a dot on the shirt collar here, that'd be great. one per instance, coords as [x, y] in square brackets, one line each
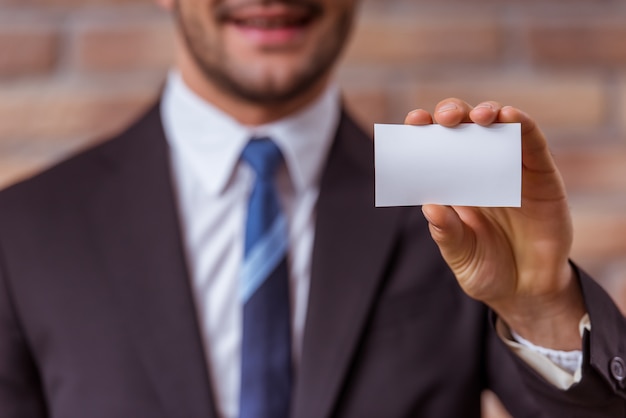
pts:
[211, 142]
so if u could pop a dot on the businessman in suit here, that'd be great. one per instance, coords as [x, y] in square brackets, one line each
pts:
[119, 268]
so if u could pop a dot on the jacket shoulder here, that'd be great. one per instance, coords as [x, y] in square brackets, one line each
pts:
[81, 172]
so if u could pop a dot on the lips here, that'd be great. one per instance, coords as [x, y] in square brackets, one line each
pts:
[278, 22]
[274, 16]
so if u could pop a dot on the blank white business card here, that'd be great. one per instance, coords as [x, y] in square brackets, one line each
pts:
[466, 165]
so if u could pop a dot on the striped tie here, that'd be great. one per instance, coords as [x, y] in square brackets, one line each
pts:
[266, 341]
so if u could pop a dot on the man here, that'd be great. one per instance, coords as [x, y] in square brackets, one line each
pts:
[120, 291]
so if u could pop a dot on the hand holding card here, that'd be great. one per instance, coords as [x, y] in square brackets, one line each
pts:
[514, 259]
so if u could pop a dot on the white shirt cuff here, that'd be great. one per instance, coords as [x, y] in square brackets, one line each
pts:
[561, 368]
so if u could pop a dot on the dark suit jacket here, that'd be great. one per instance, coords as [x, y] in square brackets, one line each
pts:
[97, 318]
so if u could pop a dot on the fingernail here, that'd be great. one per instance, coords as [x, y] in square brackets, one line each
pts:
[484, 106]
[447, 107]
[414, 112]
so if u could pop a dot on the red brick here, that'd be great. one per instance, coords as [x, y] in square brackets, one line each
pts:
[27, 49]
[589, 41]
[424, 40]
[111, 45]
[621, 108]
[65, 3]
[366, 97]
[368, 106]
[43, 122]
[70, 111]
[594, 171]
[599, 230]
[517, 4]
[554, 101]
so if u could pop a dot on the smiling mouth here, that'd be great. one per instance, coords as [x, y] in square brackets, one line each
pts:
[273, 22]
[274, 16]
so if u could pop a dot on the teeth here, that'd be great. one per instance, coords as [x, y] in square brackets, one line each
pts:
[274, 23]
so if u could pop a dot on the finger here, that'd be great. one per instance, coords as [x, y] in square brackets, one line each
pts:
[418, 117]
[449, 232]
[451, 112]
[542, 179]
[536, 156]
[485, 113]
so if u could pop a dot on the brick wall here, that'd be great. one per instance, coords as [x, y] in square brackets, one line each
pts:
[74, 71]
[563, 62]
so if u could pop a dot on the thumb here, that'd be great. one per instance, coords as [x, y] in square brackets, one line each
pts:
[451, 234]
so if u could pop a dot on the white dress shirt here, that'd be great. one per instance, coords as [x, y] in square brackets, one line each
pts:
[213, 188]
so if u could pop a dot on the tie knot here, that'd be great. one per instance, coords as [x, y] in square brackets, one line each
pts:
[264, 156]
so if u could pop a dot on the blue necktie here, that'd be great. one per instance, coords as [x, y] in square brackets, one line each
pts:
[266, 339]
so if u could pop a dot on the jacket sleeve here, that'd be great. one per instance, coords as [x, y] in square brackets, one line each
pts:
[601, 392]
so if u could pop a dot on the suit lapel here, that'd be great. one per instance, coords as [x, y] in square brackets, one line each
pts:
[137, 226]
[352, 244]
[143, 258]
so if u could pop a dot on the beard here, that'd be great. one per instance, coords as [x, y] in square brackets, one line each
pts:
[238, 80]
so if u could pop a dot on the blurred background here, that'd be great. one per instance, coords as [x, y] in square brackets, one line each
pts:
[73, 72]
